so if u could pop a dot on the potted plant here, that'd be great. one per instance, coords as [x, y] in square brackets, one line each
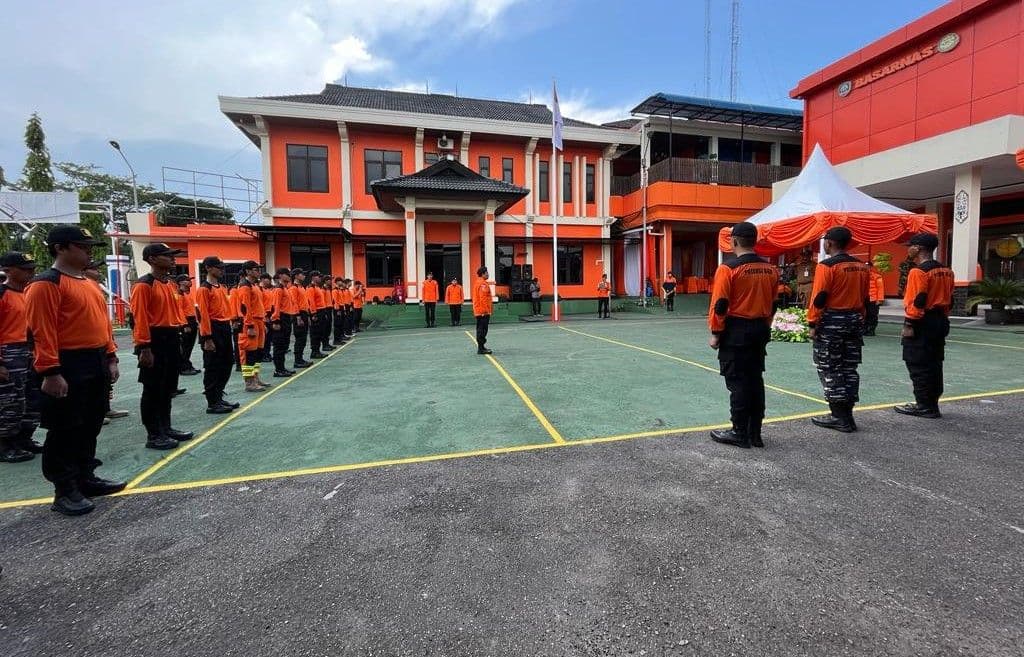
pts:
[998, 292]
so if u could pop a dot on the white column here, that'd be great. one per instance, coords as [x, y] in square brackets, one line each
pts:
[576, 196]
[558, 195]
[529, 245]
[464, 149]
[606, 250]
[606, 188]
[411, 286]
[966, 222]
[528, 169]
[419, 149]
[932, 208]
[712, 147]
[269, 260]
[583, 186]
[468, 276]
[489, 241]
[346, 167]
[421, 253]
[263, 132]
[776, 154]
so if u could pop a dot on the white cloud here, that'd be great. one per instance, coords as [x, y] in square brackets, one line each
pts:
[579, 105]
[151, 71]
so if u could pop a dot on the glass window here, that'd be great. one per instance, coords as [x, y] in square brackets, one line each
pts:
[307, 168]
[383, 264]
[506, 169]
[380, 165]
[570, 264]
[590, 183]
[503, 259]
[544, 175]
[566, 182]
[484, 166]
[430, 158]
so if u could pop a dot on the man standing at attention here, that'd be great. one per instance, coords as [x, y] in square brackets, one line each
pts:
[430, 294]
[877, 298]
[927, 301]
[603, 290]
[190, 330]
[740, 321]
[483, 306]
[669, 285]
[77, 358]
[19, 384]
[835, 316]
[453, 297]
[215, 336]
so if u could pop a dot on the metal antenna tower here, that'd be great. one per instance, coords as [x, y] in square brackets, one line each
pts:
[734, 70]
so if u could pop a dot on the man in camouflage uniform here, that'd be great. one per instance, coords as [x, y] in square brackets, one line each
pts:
[835, 315]
[19, 383]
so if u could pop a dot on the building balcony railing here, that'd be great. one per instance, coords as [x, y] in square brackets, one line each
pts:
[708, 172]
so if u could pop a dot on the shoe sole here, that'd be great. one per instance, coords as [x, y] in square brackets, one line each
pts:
[71, 512]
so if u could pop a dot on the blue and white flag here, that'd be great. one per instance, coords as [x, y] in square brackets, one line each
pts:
[556, 120]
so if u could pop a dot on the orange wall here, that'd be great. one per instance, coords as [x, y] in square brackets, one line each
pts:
[282, 134]
[363, 139]
[981, 79]
[571, 151]
[496, 150]
[692, 202]
[442, 232]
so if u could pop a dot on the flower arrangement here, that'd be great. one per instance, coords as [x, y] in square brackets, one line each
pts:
[790, 325]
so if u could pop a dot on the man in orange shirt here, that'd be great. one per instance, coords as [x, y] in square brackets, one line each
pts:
[215, 318]
[281, 317]
[75, 354]
[19, 384]
[267, 289]
[326, 313]
[740, 321]
[156, 334]
[453, 296]
[835, 315]
[314, 298]
[190, 331]
[358, 299]
[927, 302]
[430, 296]
[300, 323]
[876, 292]
[603, 291]
[248, 307]
[483, 306]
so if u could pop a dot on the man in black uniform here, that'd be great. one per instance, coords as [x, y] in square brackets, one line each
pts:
[300, 323]
[281, 321]
[926, 303]
[835, 316]
[740, 320]
[19, 383]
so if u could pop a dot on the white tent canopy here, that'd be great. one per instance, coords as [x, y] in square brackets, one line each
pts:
[819, 188]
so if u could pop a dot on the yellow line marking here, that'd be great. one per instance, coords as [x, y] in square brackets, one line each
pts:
[285, 474]
[980, 344]
[159, 465]
[552, 431]
[690, 362]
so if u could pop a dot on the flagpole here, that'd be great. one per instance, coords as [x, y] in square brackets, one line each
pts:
[556, 199]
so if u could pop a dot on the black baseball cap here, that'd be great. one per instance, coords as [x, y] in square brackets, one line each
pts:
[71, 235]
[264, 275]
[213, 261]
[159, 249]
[315, 272]
[283, 270]
[744, 229]
[250, 264]
[925, 241]
[181, 278]
[296, 271]
[17, 259]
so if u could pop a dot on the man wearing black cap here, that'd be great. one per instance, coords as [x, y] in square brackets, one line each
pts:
[740, 319]
[314, 298]
[19, 384]
[267, 290]
[926, 302]
[284, 310]
[301, 319]
[190, 331]
[215, 336]
[158, 321]
[248, 307]
[75, 354]
[835, 315]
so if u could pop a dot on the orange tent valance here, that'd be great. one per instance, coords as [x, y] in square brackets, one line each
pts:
[867, 227]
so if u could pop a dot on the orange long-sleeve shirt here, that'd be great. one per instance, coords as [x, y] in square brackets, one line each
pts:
[13, 321]
[248, 304]
[358, 297]
[346, 297]
[299, 299]
[313, 297]
[929, 287]
[744, 287]
[268, 301]
[453, 295]
[483, 304]
[213, 306]
[840, 283]
[430, 291]
[876, 287]
[153, 305]
[604, 289]
[66, 312]
[187, 304]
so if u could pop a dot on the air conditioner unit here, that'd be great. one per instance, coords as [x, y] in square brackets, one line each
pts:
[444, 143]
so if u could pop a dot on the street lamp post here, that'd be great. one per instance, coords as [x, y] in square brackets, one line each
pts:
[135, 189]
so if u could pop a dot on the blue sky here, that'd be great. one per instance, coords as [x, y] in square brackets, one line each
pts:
[147, 74]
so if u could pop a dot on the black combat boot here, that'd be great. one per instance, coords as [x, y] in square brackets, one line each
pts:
[918, 410]
[731, 437]
[839, 420]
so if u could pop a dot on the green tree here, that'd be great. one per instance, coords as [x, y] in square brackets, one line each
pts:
[37, 176]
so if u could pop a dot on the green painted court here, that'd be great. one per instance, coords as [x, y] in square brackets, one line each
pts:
[407, 395]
